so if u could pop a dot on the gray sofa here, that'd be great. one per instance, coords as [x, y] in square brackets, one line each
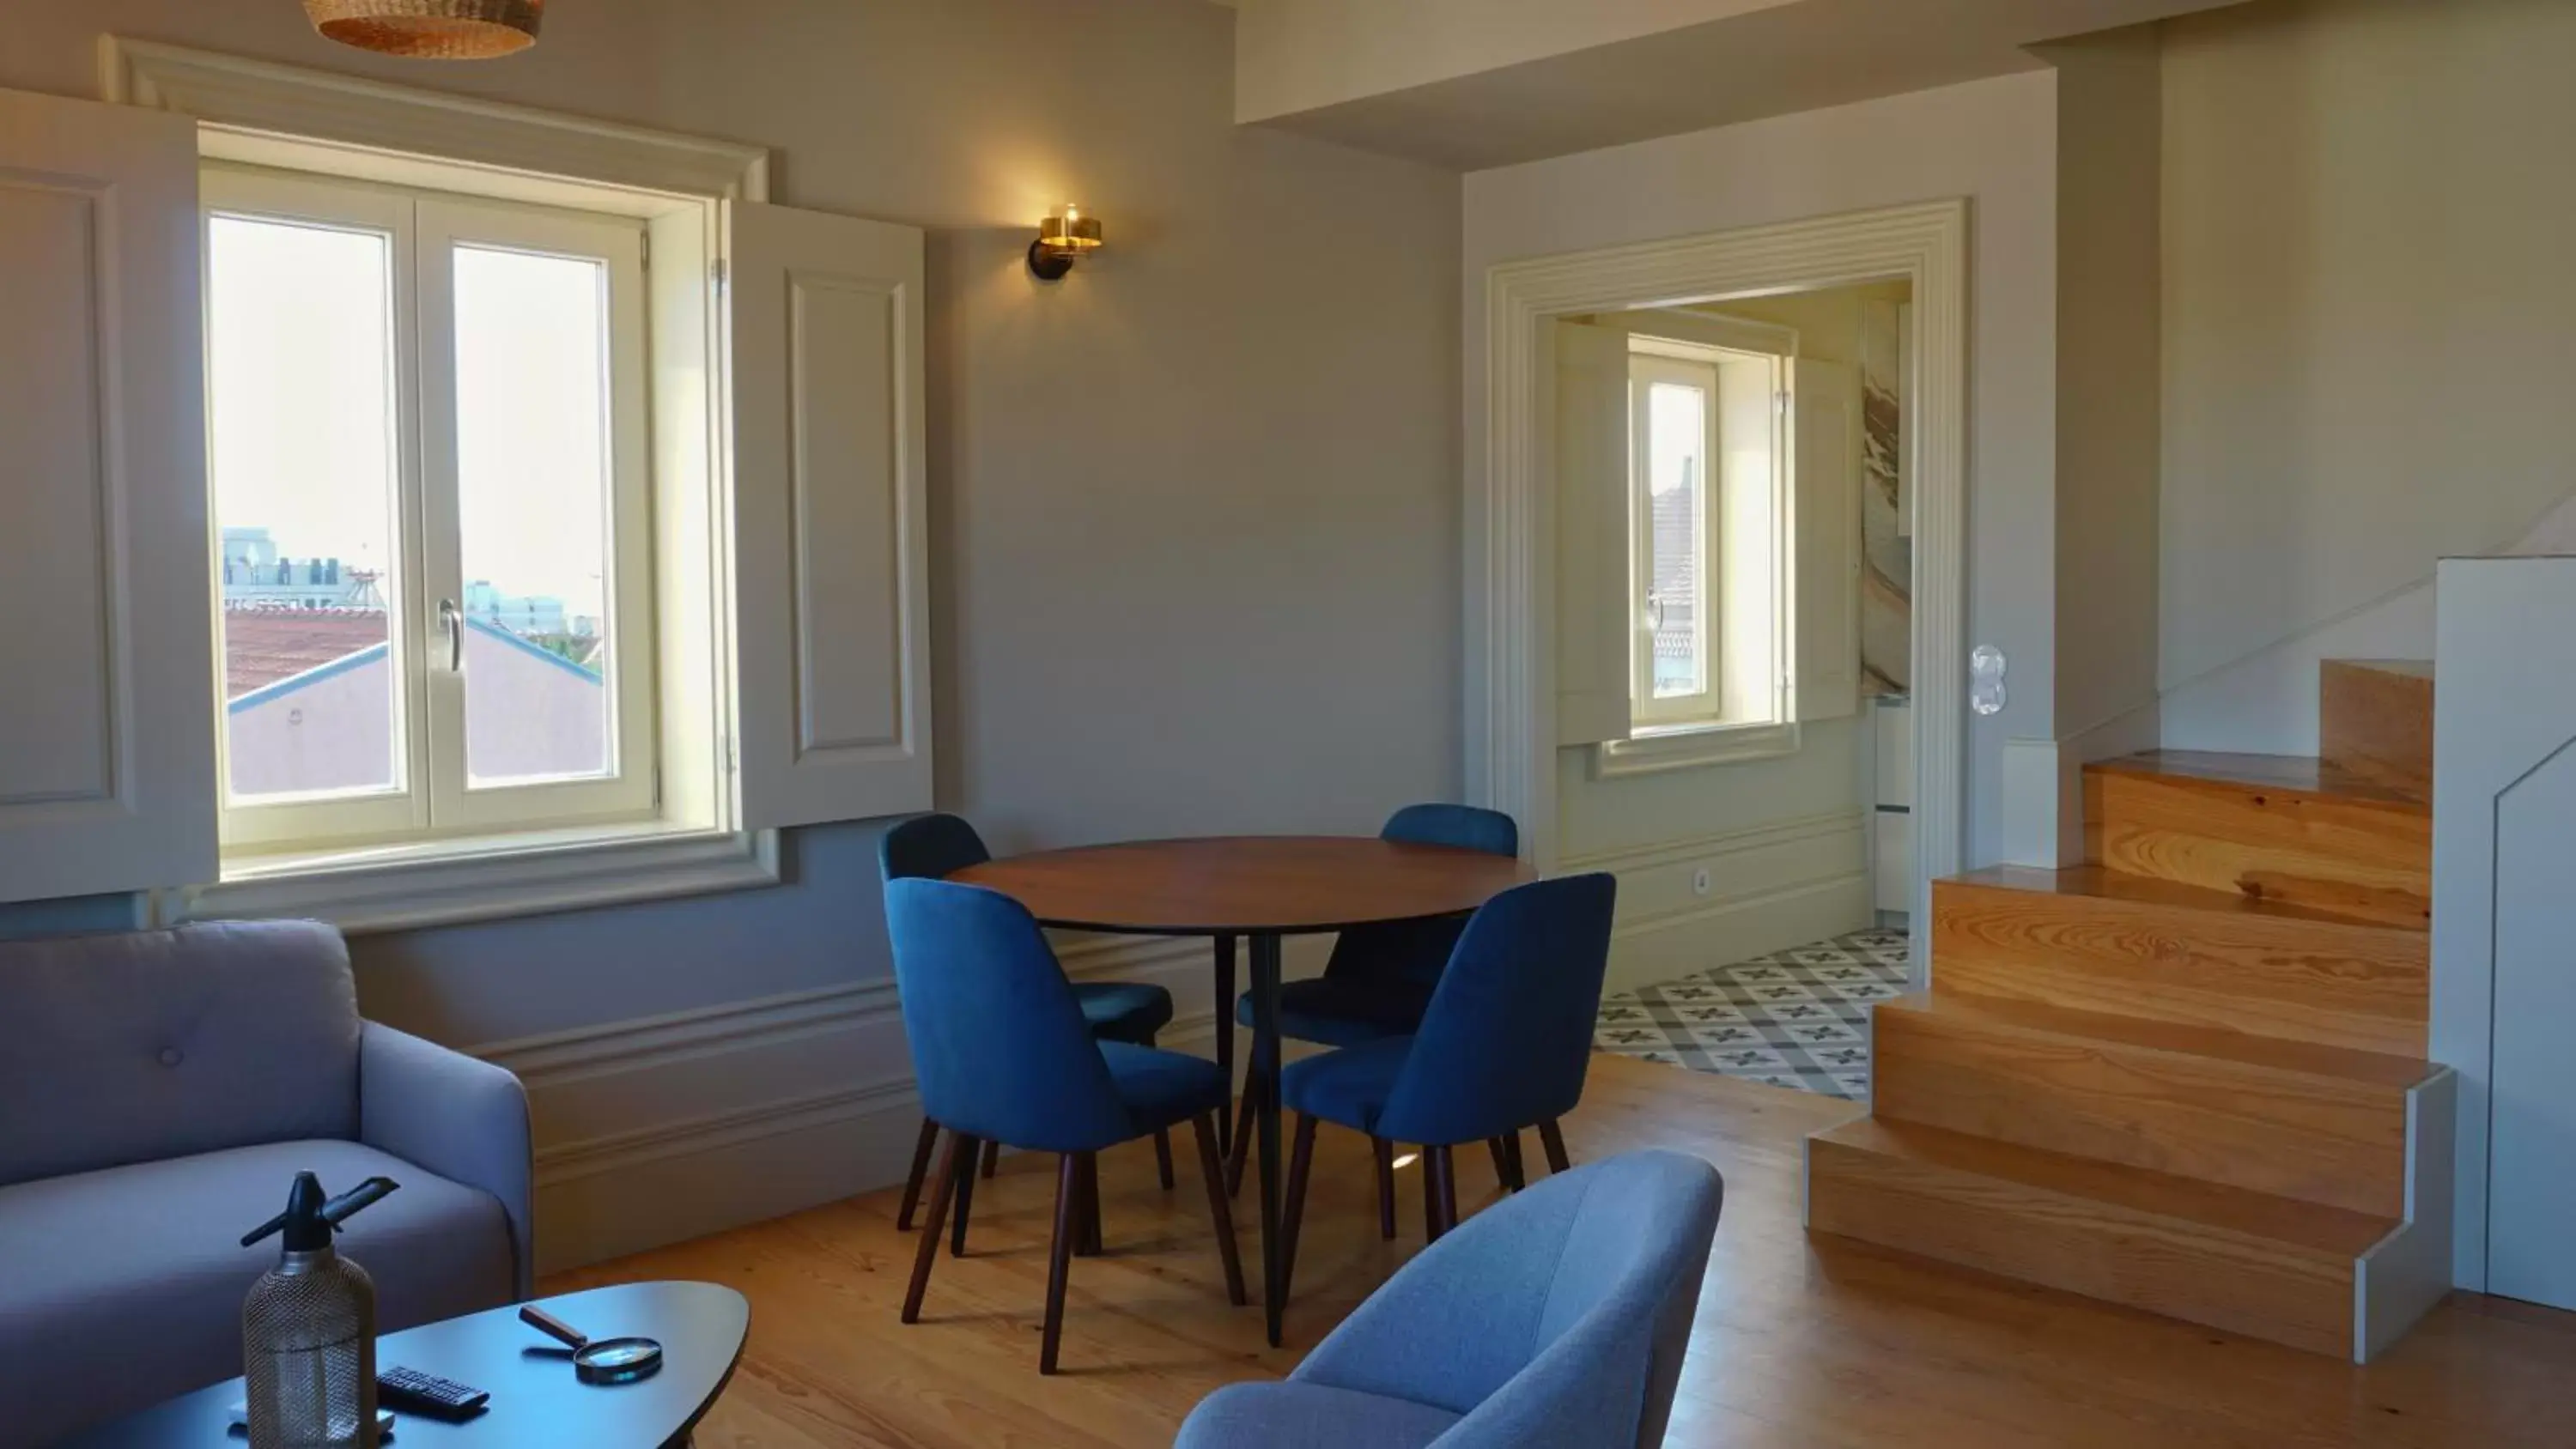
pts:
[158, 1093]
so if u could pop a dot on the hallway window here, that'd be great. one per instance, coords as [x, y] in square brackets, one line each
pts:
[1705, 544]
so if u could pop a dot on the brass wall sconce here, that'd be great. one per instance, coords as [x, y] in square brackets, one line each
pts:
[1063, 239]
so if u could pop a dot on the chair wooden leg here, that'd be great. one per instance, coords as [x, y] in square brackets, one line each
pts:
[992, 1159]
[1068, 1228]
[1212, 1167]
[1089, 1246]
[1515, 1176]
[1502, 1162]
[1301, 1161]
[1552, 1138]
[1430, 1197]
[912, 1181]
[961, 1150]
[1163, 1156]
[1384, 1151]
[965, 1204]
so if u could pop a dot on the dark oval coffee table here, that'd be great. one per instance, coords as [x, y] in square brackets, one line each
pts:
[537, 1403]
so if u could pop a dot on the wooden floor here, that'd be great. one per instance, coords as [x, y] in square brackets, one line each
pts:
[1798, 1342]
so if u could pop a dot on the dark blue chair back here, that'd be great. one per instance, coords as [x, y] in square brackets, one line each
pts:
[930, 845]
[1509, 1031]
[1416, 950]
[998, 1041]
[1468, 827]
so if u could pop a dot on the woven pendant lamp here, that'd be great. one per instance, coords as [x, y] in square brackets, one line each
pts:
[430, 29]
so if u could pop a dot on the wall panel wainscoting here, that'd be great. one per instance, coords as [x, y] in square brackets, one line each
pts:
[668, 1127]
[1767, 888]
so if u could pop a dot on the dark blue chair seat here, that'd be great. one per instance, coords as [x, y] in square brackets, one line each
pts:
[1503, 1047]
[1161, 1088]
[1126, 1011]
[1344, 1011]
[1350, 1086]
[931, 847]
[1005, 1054]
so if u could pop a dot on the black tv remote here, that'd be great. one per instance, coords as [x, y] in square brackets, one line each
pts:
[428, 1394]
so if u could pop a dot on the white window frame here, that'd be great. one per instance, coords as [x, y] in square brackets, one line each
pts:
[679, 188]
[1646, 371]
[434, 798]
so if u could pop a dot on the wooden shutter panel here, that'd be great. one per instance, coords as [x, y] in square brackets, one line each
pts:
[107, 712]
[1826, 683]
[832, 642]
[1593, 613]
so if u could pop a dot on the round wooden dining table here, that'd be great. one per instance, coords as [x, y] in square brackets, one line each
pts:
[1262, 888]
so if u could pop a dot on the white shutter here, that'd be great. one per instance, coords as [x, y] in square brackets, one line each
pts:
[107, 727]
[831, 543]
[1593, 611]
[1826, 531]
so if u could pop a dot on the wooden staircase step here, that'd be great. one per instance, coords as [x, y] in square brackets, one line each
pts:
[2285, 1118]
[2270, 1267]
[2375, 720]
[2279, 828]
[2090, 939]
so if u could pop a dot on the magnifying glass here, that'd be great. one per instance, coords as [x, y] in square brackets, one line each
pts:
[598, 1360]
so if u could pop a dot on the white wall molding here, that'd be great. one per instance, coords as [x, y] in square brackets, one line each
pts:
[1721, 843]
[1769, 887]
[445, 883]
[1512, 695]
[670, 1126]
[263, 97]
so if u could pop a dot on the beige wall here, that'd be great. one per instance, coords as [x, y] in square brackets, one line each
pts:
[2369, 328]
[1193, 514]
[2109, 361]
[1992, 142]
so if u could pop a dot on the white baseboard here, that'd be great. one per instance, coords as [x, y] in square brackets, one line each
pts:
[664, 1128]
[1771, 887]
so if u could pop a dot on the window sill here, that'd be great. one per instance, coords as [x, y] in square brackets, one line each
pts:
[1686, 747]
[451, 882]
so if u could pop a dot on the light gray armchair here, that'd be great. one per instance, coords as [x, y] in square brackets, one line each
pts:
[1556, 1319]
[158, 1093]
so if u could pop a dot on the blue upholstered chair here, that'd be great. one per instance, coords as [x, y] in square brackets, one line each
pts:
[1379, 979]
[1504, 1045]
[1555, 1320]
[1124, 1011]
[1004, 1054]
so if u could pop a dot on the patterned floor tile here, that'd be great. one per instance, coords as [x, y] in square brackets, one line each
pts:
[1795, 1018]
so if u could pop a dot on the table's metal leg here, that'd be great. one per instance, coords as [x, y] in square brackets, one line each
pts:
[1265, 1034]
[1225, 1036]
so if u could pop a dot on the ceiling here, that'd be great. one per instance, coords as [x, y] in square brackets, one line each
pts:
[1750, 62]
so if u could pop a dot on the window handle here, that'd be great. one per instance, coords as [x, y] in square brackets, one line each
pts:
[1654, 612]
[452, 620]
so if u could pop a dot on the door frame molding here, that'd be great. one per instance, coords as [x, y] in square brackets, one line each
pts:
[1510, 692]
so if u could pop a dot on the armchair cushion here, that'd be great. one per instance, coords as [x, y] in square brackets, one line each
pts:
[464, 1119]
[1295, 1415]
[125, 1285]
[1557, 1318]
[150, 1044]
